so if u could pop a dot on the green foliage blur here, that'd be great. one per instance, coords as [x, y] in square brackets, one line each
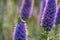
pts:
[9, 13]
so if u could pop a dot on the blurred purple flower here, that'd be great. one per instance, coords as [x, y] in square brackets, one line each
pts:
[26, 9]
[20, 31]
[49, 14]
[58, 16]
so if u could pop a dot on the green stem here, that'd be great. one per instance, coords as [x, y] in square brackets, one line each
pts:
[56, 32]
[47, 32]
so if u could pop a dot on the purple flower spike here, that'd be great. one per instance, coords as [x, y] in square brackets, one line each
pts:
[49, 14]
[26, 9]
[20, 31]
[58, 16]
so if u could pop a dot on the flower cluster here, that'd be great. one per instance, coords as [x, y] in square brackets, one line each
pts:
[20, 31]
[26, 9]
[25, 13]
[49, 14]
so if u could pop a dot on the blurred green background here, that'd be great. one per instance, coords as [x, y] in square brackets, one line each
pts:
[9, 13]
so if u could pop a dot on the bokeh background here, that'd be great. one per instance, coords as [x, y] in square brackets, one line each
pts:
[9, 13]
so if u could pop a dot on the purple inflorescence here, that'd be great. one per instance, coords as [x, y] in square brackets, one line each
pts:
[49, 14]
[58, 16]
[20, 31]
[26, 9]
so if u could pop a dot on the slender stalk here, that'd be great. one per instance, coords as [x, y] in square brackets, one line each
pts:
[56, 32]
[46, 35]
[47, 32]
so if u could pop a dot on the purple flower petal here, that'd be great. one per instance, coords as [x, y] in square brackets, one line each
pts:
[26, 9]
